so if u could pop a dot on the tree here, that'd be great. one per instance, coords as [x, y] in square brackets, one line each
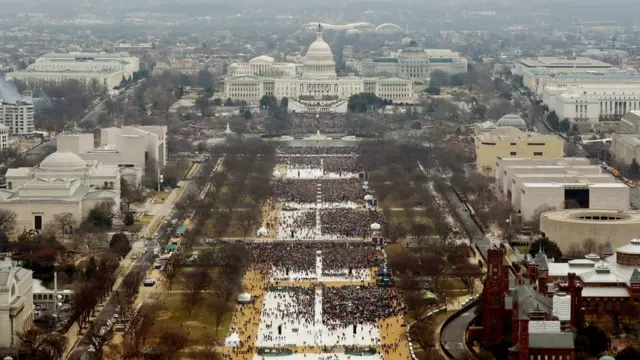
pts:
[119, 244]
[220, 308]
[433, 90]
[634, 170]
[423, 332]
[628, 353]
[248, 218]
[65, 222]
[202, 104]
[172, 340]
[205, 79]
[171, 271]
[553, 120]
[268, 101]
[130, 194]
[564, 125]
[548, 247]
[439, 78]
[284, 103]
[7, 220]
[195, 282]
[101, 216]
[592, 340]
[534, 223]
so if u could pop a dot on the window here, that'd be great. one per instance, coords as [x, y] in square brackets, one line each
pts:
[536, 144]
[513, 143]
[537, 153]
[513, 153]
[37, 220]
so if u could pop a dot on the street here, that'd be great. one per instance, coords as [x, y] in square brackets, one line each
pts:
[143, 264]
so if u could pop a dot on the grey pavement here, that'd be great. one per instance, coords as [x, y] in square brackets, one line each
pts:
[143, 263]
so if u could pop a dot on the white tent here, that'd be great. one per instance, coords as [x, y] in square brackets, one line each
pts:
[375, 226]
[276, 174]
[232, 341]
[244, 298]
[368, 197]
[262, 232]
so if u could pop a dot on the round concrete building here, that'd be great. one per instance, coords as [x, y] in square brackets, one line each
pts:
[566, 227]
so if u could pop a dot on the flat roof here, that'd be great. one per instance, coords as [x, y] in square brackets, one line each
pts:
[554, 61]
[605, 292]
[577, 183]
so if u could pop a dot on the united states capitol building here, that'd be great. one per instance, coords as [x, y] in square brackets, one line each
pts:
[312, 86]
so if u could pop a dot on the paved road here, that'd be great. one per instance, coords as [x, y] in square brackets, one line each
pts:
[452, 336]
[143, 264]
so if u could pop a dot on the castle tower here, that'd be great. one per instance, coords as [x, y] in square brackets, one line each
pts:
[634, 284]
[575, 291]
[607, 250]
[523, 340]
[493, 297]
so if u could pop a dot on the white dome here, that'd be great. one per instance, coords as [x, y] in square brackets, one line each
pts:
[63, 161]
[375, 226]
[244, 297]
[262, 232]
[319, 47]
[276, 174]
[318, 61]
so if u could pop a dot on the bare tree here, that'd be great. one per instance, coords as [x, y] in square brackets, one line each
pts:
[65, 222]
[130, 194]
[248, 218]
[7, 220]
[423, 332]
[195, 282]
[171, 271]
[172, 341]
[220, 308]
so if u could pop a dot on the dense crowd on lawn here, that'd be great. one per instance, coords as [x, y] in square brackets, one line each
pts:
[302, 256]
[355, 305]
[316, 150]
[301, 161]
[340, 164]
[342, 190]
[350, 223]
[301, 191]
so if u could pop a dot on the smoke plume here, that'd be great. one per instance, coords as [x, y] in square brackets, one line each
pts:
[8, 92]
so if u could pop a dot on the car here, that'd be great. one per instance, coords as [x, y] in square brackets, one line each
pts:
[149, 282]
[134, 256]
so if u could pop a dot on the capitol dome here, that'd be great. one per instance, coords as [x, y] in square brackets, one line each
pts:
[512, 120]
[62, 161]
[318, 61]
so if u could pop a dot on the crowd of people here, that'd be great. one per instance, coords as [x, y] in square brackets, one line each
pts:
[301, 161]
[342, 190]
[356, 305]
[294, 306]
[340, 164]
[350, 223]
[301, 257]
[300, 191]
[315, 150]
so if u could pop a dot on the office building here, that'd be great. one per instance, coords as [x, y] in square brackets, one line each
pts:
[16, 301]
[508, 141]
[108, 69]
[560, 64]
[536, 80]
[593, 107]
[4, 137]
[19, 115]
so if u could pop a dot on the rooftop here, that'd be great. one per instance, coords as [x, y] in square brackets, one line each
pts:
[554, 61]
